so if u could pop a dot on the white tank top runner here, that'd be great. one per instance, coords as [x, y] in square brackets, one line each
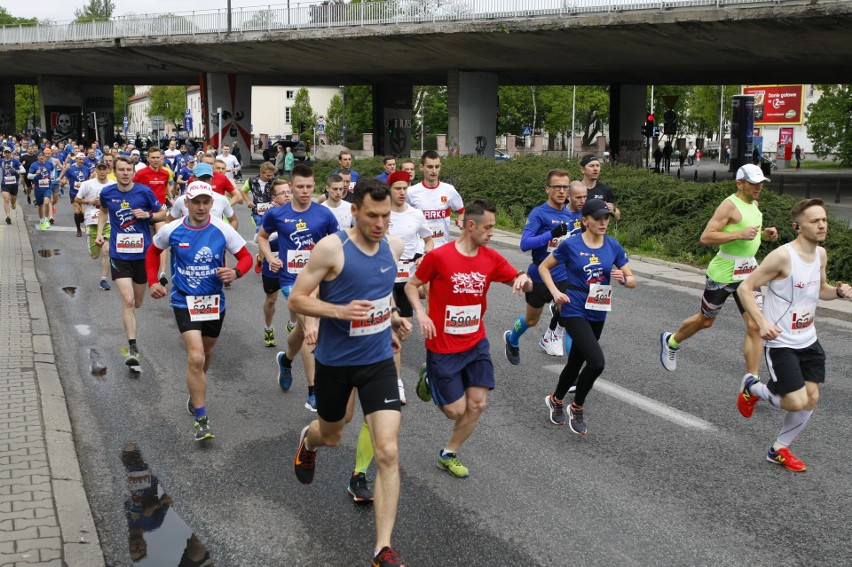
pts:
[791, 303]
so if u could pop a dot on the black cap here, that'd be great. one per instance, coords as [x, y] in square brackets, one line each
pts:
[596, 208]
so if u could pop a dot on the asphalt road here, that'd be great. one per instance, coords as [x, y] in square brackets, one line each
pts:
[669, 473]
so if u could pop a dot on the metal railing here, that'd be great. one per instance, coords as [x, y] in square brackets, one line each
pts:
[333, 14]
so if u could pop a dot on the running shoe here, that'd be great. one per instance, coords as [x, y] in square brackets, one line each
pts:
[305, 460]
[269, 337]
[572, 388]
[290, 326]
[786, 459]
[746, 400]
[358, 489]
[41, 226]
[401, 387]
[551, 344]
[557, 410]
[311, 402]
[8, 220]
[668, 354]
[29, 199]
[387, 557]
[285, 374]
[258, 265]
[131, 358]
[513, 354]
[79, 233]
[450, 463]
[575, 419]
[202, 429]
[49, 224]
[558, 345]
[189, 407]
[105, 285]
[423, 391]
[163, 279]
[14, 206]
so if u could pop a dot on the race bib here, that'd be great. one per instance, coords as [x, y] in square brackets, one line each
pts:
[9, 180]
[743, 267]
[296, 260]
[600, 298]
[801, 320]
[203, 307]
[92, 215]
[263, 207]
[462, 320]
[403, 270]
[437, 233]
[554, 243]
[139, 480]
[129, 243]
[44, 182]
[378, 319]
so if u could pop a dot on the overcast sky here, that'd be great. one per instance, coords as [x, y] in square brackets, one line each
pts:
[63, 10]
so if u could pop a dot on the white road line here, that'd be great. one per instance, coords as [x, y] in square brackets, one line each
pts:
[642, 402]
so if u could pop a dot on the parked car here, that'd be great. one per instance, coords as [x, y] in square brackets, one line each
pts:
[298, 148]
[501, 156]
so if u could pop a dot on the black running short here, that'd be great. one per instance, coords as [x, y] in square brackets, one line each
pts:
[376, 383]
[790, 368]
[208, 328]
[271, 285]
[12, 191]
[405, 307]
[134, 269]
[540, 295]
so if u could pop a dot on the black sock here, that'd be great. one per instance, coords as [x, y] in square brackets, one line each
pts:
[132, 343]
[554, 320]
[78, 219]
[286, 361]
[310, 390]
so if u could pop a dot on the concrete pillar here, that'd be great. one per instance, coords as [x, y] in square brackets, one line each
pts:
[511, 141]
[392, 113]
[98, 109]
[628, 106]
[472, 112]
[441, 141]
[231, 93]
[61, 107]
[7, 108]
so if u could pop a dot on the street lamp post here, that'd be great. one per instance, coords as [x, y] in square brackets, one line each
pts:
[219, 127]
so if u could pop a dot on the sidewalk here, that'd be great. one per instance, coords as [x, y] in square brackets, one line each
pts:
[45, 517]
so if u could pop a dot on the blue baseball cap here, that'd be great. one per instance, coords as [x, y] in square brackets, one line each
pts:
[203, 169]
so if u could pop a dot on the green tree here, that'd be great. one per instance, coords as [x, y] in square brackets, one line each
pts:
[303, 114]
[334, 119]
[95, 11]
[26, 107]
[358, 112]
[829, 122]
[432, 100]
[7, 19]
[120, 95]
[168, 102]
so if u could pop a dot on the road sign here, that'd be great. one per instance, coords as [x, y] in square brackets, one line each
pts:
[187, 112]
[187, 123]
[126, 121]
[527, 131]
[158, 122]
[320, 127]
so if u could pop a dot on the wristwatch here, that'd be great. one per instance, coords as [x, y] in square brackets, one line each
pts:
[239, 273]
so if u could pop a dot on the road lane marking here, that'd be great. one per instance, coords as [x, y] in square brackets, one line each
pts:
[645, 403]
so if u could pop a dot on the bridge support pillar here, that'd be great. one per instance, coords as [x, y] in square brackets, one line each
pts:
[392, 104]
[61, 107]
[472, 113]
[231, 93]
[7, 107]
[627, 109]
[98, 110]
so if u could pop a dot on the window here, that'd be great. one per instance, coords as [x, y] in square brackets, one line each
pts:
[288, 114]
[290, 95]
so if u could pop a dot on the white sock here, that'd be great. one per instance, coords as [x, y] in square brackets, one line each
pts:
[760, 390]
[559, 332]
[794, 423]
[548, 336]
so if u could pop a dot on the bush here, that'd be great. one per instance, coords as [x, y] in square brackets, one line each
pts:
[662, 216]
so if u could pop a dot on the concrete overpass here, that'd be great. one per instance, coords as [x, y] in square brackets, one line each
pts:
[546, 42]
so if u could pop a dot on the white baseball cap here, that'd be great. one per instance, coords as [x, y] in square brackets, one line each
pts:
[198, 188]
[751, 173]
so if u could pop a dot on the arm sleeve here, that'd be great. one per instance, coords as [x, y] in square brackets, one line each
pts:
[530, 239]
[152, 263]
[244, 260]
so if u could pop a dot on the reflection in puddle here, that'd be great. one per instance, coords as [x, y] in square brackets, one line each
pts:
[70, 290]
[157, 535]
[83, 330]
[96, 365]
[45, 253]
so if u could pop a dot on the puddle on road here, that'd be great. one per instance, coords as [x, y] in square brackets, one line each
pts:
[96, 364]
[70, 290]
[47, 253]
[83, 330]
[158, 536]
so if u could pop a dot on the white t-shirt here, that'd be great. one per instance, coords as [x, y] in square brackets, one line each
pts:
[89, 190]
[232, 164]
[221, 207]
[411, 226]
[139, 165]
[436, 203]
[170, 154]
[343, 213]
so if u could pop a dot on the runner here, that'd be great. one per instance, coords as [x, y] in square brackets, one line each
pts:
[300, 225]
[590, 165]
[256, 192]
[198, 244]
[11, 169]
[354, 271]
[796, 280]
[592, 261]
[73, 174]
[41, 173]
[128, 208]
[547, 225]
[736, 229]
[89, 197]
[271, 281]
[335, 187]
[161, 181]
[458, 358]
[437, 200]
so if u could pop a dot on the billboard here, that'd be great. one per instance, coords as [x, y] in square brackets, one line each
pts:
[777, 104]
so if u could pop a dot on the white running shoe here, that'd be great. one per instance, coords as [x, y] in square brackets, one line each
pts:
[401, 387]
[556, 348]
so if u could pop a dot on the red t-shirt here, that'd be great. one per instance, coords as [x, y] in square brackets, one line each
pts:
[219, 183]
[457, 294]
[158, 181]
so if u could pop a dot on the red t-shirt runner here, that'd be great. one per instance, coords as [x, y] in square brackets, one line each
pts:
[457, 294]
[158, 181]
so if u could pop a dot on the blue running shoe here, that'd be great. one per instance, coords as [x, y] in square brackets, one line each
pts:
[311, 402]
[285, 375]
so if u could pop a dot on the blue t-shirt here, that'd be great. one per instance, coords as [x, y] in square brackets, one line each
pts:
[180, 161]
[43, 174]
[76, 176]
[264, 266]
[89, 162]
[298, 231]
[10, 169]
[196, 253]
[585, 266]
[185, 173]
[383, 176]
[536, 237]
[124, 243]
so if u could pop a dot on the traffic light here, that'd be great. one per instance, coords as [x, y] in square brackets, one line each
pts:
[670, 125]
[648, 126]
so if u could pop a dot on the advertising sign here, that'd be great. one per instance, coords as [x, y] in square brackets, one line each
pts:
[777, 104]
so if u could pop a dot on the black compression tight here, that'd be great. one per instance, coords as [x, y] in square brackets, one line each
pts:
[584, 349]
